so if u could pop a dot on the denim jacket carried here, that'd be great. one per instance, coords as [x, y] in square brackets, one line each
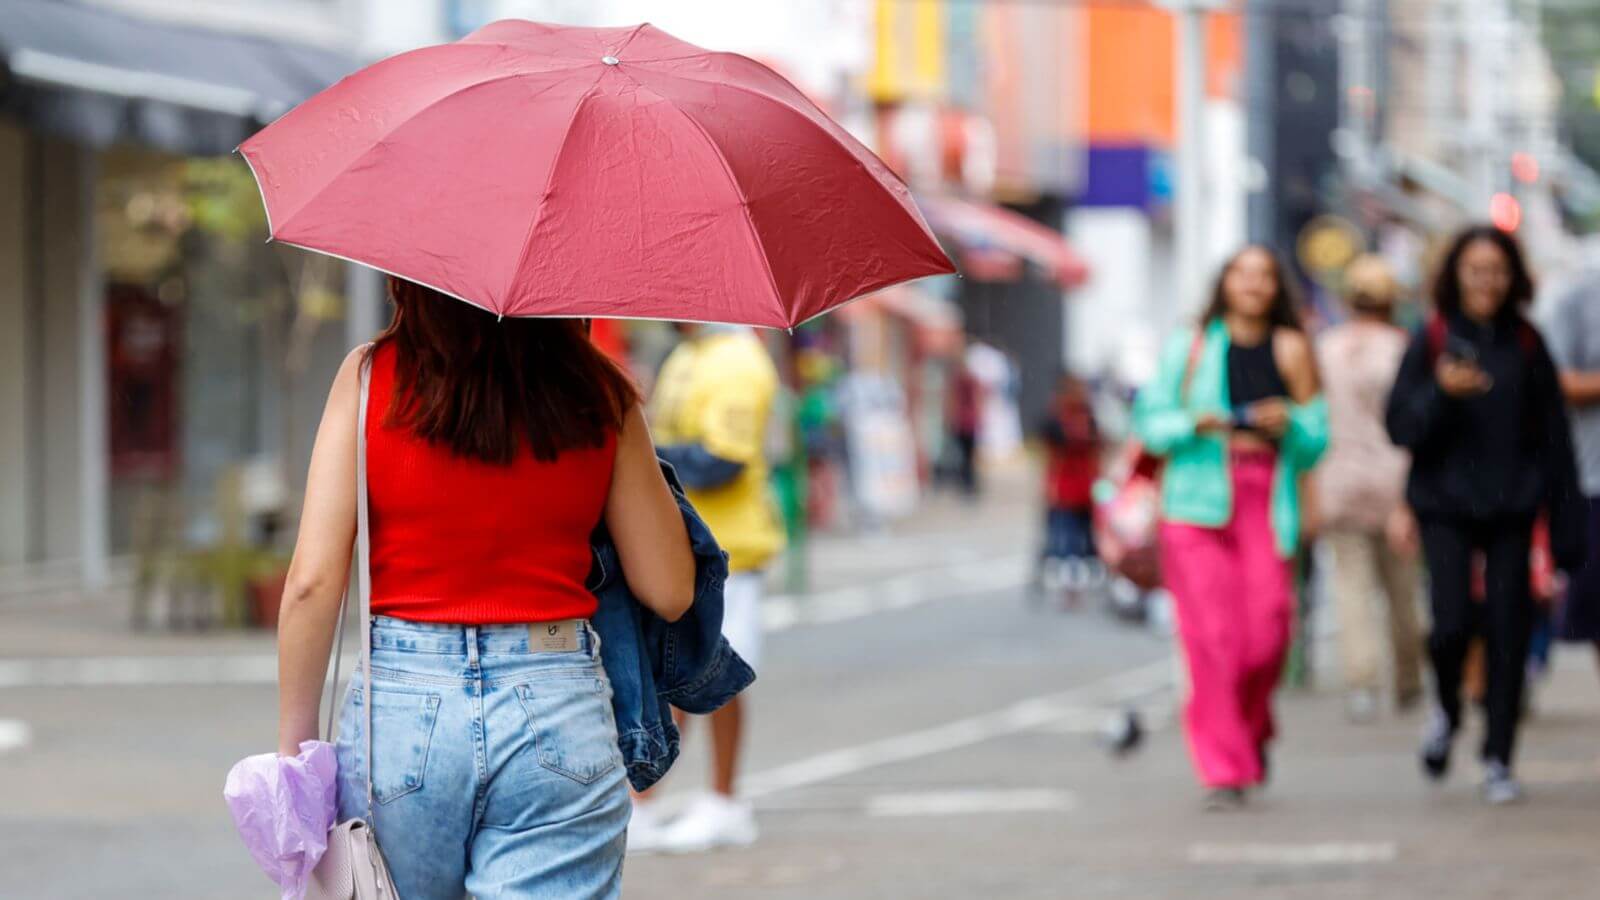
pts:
[655, 665]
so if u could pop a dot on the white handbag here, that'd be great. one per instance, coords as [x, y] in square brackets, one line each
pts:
[353, 868]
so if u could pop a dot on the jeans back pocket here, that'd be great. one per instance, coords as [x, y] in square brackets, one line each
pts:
[403, 719]
[573, 726]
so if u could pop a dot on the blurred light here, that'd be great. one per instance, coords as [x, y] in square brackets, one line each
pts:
[1363, 100]
[1524, 167]
[141, 209]
[1505, 212]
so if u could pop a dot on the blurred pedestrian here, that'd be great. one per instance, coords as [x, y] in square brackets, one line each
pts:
[1478, 403]
[1361, 487]
[964, 417]
[1572, 326]
[710, 412]
[1072, 440]
[1236, 412]
[493, 450]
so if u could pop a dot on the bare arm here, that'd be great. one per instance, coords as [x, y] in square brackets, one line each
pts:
[1580, 388]
[321, 565]
[1293, 353]
[1567, 339]
[647, 526]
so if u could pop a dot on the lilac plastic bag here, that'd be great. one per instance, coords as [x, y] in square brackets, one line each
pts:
[283, 807]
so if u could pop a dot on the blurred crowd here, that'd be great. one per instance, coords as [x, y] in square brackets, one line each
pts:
[1284, 469]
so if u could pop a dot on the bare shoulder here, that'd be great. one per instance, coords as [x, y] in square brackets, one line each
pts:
[634, 424]
[1291, 344]
[344, 393]
[633, 439]
[1291, 349]
[350, 369]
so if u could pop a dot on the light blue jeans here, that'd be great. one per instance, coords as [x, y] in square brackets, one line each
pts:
[495, 770]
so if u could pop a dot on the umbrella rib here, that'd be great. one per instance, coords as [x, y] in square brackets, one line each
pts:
[781, 101]
[549, 178]
[629, 39]
[738, 191]
[915, 213]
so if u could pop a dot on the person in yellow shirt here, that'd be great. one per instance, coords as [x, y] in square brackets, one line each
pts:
[709, 417]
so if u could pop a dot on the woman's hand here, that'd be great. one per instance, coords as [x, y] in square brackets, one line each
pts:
[1461, 379]
[1211, 423]
[1270, 416]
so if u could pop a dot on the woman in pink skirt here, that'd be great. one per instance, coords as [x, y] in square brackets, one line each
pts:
[1235, 411]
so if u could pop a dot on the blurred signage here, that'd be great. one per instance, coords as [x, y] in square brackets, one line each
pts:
[1001, 68]
[910, 58]
[1327, 244]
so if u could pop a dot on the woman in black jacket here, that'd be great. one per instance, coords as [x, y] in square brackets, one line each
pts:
[1478, 404]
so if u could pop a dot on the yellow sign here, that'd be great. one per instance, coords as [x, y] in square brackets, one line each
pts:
[910, 50]
[1327, 244]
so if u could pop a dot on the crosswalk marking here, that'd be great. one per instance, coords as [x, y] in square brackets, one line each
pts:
[970, 802]
[1313, 854]
[1024, 715]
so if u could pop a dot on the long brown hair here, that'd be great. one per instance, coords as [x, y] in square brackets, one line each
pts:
[493, 389]
[1285, 312]
[1447, 282]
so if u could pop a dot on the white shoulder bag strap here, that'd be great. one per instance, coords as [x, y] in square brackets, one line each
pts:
[363, 586]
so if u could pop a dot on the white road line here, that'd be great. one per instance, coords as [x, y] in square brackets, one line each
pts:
[1317, 854]
[1024, 715]
[897, 592]
[970, 802]
[14, 735]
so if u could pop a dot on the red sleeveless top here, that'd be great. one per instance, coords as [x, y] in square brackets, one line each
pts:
[462, 541]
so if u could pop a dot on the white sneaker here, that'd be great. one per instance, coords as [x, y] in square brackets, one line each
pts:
[647, 830]
[712, 821]
[1499, 787]
[1361, 706]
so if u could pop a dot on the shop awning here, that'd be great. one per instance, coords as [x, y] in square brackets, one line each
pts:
[937, 320]
[101, 77]
[987, 237]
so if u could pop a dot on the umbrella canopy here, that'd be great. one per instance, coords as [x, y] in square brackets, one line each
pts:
[540, 170]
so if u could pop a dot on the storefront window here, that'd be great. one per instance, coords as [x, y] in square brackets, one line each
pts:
[220, 347]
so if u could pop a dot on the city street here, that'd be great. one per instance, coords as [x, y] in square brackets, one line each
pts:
[918, 732]
[909, 294]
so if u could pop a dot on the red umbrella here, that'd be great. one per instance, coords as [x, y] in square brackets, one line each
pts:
[539, 170]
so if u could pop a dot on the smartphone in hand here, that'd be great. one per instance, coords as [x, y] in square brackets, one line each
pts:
[1461, 350]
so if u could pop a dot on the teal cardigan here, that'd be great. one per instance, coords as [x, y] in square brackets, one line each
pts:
[1195, 485]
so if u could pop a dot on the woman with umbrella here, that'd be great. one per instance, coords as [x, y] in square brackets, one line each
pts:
[493, 449]
[543, 174]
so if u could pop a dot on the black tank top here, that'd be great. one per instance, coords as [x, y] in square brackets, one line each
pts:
[1253, 374]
